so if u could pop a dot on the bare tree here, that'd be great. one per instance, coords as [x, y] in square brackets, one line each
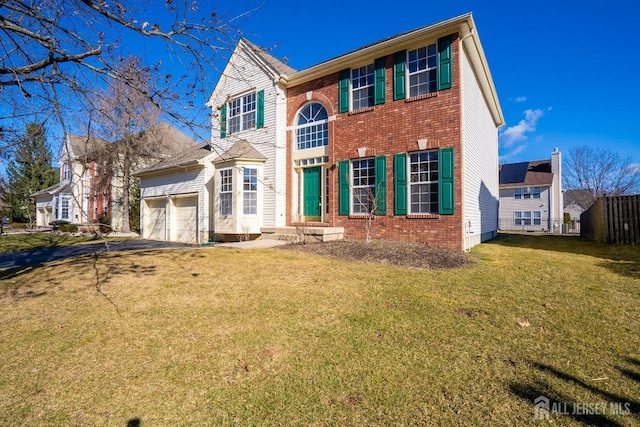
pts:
[55, 54]
[599, 171]
[125, 115]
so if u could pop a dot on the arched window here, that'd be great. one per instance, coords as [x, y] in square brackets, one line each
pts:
[312, 126]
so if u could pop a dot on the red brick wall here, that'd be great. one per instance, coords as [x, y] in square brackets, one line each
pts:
[387, 129]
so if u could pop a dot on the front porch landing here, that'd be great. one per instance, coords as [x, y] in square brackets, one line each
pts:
[303, 233]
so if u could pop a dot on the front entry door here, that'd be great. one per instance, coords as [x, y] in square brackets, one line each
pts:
[311, 198]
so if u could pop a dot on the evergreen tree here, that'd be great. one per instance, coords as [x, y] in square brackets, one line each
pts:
[29, 171]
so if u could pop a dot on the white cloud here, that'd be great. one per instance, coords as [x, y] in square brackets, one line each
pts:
[520, 99]
[519, 149]
[516, 133]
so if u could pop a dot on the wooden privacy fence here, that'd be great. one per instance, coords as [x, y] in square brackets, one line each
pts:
[613, 219]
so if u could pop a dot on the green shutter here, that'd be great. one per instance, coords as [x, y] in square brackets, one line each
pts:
[343, 91]
[381, 185]
[380, 87]
[399, 75]
[260, 108]
[446, 181]
[223, 121]
[400, 184]
[343, 185]
[445, 75]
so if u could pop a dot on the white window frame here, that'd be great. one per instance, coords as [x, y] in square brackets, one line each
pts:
[314, 132]
[225, 191]
[250, 191]
[419, 169]
[362, 87]
[241, 113]
[422, 65]
[537, 218]
[65, 205]
[363, 186]
[66, 173]
[517, 217]
[525, 193]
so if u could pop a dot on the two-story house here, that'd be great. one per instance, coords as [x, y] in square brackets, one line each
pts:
[91, 180]
[400, 134]
[531, 196]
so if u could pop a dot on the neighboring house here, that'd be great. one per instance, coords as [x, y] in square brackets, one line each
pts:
[90, 185]
[531, 196]
[405, 128]
[574, 204]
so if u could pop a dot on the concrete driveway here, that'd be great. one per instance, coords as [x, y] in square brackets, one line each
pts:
[39, 256]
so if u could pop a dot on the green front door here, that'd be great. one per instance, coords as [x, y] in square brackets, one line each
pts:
[311, 198]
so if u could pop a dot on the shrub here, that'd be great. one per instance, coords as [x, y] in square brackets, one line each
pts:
[105, 224]
[68, 228]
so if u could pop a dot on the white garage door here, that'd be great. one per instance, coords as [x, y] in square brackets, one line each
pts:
[184, 226]
[155, 220]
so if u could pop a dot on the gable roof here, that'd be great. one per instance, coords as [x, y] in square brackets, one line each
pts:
[80, 146]
[272, 66]
[54, 189]
[162, 139]
[240, 150]
[279, 66]
[187, 157]
[534, 173]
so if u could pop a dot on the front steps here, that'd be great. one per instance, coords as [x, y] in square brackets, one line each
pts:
[303, 233]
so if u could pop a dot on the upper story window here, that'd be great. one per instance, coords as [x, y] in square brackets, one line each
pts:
[66, 171]
[422, 67]
[242, 113]
[312, 126]
[362, 86]
[527, 193]
[423, 70]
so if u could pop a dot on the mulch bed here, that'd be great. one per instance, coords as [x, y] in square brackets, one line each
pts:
[413, 255]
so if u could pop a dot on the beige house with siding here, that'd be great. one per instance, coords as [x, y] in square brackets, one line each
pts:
[531, 195]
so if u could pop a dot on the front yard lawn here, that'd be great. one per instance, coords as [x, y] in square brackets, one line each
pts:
[215, 336]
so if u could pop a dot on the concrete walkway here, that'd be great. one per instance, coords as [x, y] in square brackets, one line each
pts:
[251, 244]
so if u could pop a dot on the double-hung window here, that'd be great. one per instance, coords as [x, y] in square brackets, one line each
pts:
[423, 70]
[250, 191]
[65, 208]
[364, 186]
[527, 193]
[423, 184]
[362, 86]
[422, 67]
[242, 113]
[536, 218]
[225, 192]
[527, 218]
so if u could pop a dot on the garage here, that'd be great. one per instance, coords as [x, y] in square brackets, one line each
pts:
[184, 223]
[155, 219]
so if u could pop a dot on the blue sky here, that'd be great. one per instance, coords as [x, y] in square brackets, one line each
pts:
[566, 72]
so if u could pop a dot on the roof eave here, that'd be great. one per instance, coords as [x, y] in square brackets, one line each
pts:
[463, 25]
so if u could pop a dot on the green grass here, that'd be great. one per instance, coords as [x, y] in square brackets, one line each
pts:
[217, 336]
[31, 241]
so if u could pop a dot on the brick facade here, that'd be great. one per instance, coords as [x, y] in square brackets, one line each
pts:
[387, 129]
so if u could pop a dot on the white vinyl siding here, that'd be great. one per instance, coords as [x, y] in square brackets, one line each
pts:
[244, 74]
[479, 160]
[193, 183]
